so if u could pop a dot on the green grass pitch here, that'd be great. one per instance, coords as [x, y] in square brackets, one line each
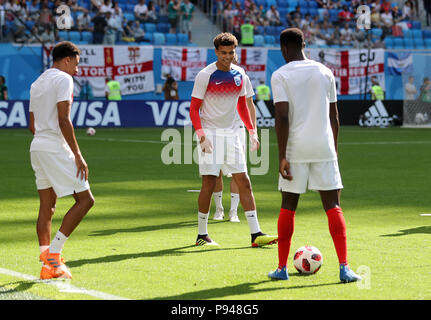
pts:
[137, 241]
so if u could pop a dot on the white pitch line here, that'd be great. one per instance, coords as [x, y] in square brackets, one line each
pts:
[62, 285]
[425, 214]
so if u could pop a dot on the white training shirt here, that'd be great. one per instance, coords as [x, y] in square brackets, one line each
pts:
[309, 87]
[51, 87]
[220, 91]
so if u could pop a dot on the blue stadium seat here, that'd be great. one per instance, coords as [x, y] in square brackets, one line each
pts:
[398, 43]
[389, 42]
[159, 39]
[426, 34]
[171, 39]
[64, 35]
[150, 27]
[149, 36]
[260, 30]
[182, 39]
[416, 25]
[312, 5]
[87, 36]
[313, 12]
[269, 40]
[407, 33]
[162, 19]
[162, 27]
[428, 43]
[416, 33]
[419, 43]
[293, 3]
[259, 41]
[75, 36]
[282, 4]
[376, 33]
[408, 43]
[270, 3]
[303, 4]
[129, 16]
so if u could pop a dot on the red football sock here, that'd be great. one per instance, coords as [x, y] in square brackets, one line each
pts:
[286, 222]
[337, 229]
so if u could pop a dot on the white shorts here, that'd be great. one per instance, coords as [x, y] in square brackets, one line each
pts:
[242, 136]
[57, 170]
[320, 176]
[228, 154]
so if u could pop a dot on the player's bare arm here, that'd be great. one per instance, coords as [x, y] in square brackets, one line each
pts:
[31, 123]
[68, 132]
[335, 122]
[252, 110]
[282, 131]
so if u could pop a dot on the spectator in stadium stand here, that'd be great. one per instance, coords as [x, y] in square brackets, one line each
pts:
[425, 90]
[376, 21]
[47, 36]
[306, 20]
[170, 88]
[86, 92]
[359, 38]
[99, 28]
[152, 14]
[111, 29]
[308, 36]
[385, 6]
[407, 11]
[141, 10]
[95, 5]
[319, 37]
[387, 21]
[345, 15]
[410, 89]
[187, 9]
[291, 16]
[83, 22]
[247, 33]
[325, 32]
[261, 17]
[427, 6]
[173, 15]
[45, 17]
[273, 16]
[33, 10]
[106, 7]
[346, 35]
[228, 15]
[377, 92]
[335, 37]
[3, 89]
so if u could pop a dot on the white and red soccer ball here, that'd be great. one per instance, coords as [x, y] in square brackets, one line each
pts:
[308, 259]
[91, 131]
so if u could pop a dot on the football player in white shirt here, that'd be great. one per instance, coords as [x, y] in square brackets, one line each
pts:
[56, 159]
[306, 124]
[234, 192]
[217, 94]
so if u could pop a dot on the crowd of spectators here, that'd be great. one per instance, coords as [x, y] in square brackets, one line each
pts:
[320, 25]
[109, 21]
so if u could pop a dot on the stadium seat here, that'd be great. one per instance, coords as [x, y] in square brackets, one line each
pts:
[376, 33]
[419, 43]
[407, 33]
[282, 4]
[162, 27]
[260, 30]
[63, 35]
[313, 12]
[149, 36]
[428, 43]
[398, 43]
[293, 4]
[259, 41]
[182, 39]
[171, 39]
[159, 39]
[75, 36]
[416, 25]
[426, 34]
[303, 4]
[312, 5]
[269, 3]
[162, 19]
[389, 42]
[408, 43]
[416, 33]
[269, 41]
[129, 16]
[150, 27]
[87, 36]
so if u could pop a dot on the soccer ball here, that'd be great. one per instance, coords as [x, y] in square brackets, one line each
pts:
[308, 260]
[91, 131]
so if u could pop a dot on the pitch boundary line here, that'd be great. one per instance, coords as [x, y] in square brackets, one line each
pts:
[63, 286]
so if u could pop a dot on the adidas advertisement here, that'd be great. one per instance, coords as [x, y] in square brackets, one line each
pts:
[369, 113]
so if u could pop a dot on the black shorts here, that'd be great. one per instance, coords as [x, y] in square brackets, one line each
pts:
[173, 22]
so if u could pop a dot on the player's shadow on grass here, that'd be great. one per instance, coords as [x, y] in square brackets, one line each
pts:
[237, 290]
[21, 286]
[405, 232]
[174, 225]
[166, 252]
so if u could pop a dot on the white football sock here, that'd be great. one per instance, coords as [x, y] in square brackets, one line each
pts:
[253, 223]
[57, 243]
[202, 223]
[43, 248]
[234, 201]
[218, 197]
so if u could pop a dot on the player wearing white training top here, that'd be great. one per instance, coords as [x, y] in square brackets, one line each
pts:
[56, 159]
[307, 125]
[218, 93]
[234, 193]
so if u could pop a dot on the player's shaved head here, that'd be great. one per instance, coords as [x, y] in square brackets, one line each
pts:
[65, 49]
[292, 38]
[225, 39]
